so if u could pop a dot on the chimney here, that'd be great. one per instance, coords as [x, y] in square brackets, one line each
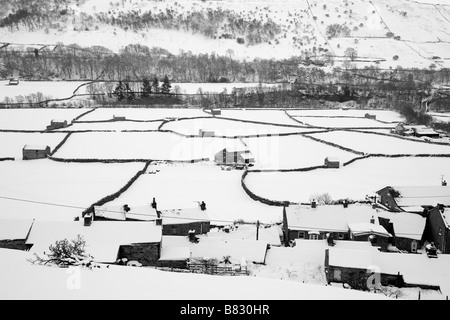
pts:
[126, 208]
[203, 206]
[372, 220]
[154, 205]
[314, 204]
[345, 204]
[158, 219]
[191, 235]
[441, 207]
[88, 218]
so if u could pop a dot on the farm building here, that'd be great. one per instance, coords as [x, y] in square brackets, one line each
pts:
[30, 152]
[438, 228]
[216, 112]
[413, 199]
[234, 156]
[125, 213]
[332, 162]
[403, 130]
[353, 222]
[423, 131]
[57, 124]
[119, 118]
[13, 233]
[370, 116]
[407, 230]
[13, 81]
[213, 248]
[178, 222]
[400, 270]
[106, 241]
[205, 133]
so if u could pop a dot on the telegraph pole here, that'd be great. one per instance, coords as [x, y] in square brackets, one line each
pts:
[257, 230]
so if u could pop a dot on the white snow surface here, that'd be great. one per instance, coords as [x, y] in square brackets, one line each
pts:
[21, 280]
[15, 229]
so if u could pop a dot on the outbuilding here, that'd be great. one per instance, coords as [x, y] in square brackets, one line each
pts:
[35, 152]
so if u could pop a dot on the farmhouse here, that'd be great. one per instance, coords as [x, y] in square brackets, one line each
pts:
[125, 213]
[354, 222]
[438, 228]
[413, 199]
[234, 156]
[57, 124]
[332, 162]
[30, 152]
[407, 230]
[400, 270]
[106, 241]
[403, 130]
[204, 133]
[13, 233]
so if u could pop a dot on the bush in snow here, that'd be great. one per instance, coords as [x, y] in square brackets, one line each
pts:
[65, 253]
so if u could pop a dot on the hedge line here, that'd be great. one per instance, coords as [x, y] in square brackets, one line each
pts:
[60, 144]
[379, 155]
[117, 194]
[93, 160]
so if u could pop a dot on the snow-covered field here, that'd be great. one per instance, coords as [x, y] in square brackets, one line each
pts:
[35, 119]
[113, 126]
[228, 128]
[361, 178]
[141, 145]
[21, 280]
[142, 113]
[382, 115]
[73, 186]
[291, 152]
[261, 115]
[440, 116]
[343, 122]
[50, 89]
[12, 143]
[184, 185]
[378, 144]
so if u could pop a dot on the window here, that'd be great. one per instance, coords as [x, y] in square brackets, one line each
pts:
[440, 231]
[337, 275]
[313, 236]
[301, 235]
[341, 236]
[414, 246]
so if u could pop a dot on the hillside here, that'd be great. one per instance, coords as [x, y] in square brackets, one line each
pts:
[405, 33]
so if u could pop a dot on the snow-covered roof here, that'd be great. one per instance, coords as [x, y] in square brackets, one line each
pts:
[361, 259]
[362, 228]
[174, 253]
[34, 147]
[14, 229]
[270, 235]
[446, 217]
[58, 121]
[406, 225]
[247, 156]
[333, 218]
[103, 238]
[414, 196]
[415, 268]
[333, 159]
[182, 216]
[250, 250]
[117, 212]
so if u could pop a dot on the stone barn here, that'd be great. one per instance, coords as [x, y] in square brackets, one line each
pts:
[57, 124]
[370, 116]
[332, 162]
[35, 152]
[205, 133]
[119, 118]
[234, 156]
[179, 222]
[216, 112]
